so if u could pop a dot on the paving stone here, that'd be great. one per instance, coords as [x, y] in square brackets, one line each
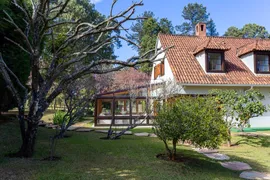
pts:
[152, 135]
[72, 128]
[217, 156]
[126, 133]
[106, 131]
[51, 126]
[205, 150]
[101, 131]
[143, 134]
[248, 134]
[236, 165]
[84, 130]
[42, 124]
[254, 175]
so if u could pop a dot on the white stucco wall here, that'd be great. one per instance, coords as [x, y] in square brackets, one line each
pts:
[201, 59]
[168, 75]
[248, 59]
[263, 121]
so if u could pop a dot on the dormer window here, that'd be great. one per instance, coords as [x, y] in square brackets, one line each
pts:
[215, 61]
[262, 63]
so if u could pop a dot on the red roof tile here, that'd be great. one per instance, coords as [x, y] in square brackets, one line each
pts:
[211, 44]
[257, 45]
[187, 70]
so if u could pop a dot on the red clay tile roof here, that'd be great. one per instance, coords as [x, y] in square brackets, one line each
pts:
[187, 70]
[257, 45]
[210, 43]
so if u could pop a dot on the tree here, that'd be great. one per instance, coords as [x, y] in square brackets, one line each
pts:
[249, 105]
[16, 59]
[68, 60]
[254, 30]
[248, 31]
[226, 100]
[194, 13]
[145, 32]
[211, 28]
[234, 32]
[190, 118]
[78, 97]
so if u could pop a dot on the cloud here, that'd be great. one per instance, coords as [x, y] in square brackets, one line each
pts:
[95, 1]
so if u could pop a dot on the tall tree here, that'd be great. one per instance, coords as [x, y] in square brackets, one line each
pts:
[145, 32]
[248, 31]
[254, 30]
[68, 59]
[211, 28]
[194, 13]
[234, 32]
[16, 59]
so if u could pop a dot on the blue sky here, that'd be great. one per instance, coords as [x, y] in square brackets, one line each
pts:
[225, 13]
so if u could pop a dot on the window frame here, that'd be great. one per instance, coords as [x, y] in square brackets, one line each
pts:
[255, 62]
[222, 61]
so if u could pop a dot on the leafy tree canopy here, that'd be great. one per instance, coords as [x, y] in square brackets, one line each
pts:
[194, 13]
[248, 31]
[145, 32]
[16, 59]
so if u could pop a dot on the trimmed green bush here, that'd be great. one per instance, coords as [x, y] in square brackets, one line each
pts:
[58, 117]
[196, 119]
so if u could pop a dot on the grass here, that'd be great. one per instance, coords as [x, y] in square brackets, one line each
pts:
[86, 156]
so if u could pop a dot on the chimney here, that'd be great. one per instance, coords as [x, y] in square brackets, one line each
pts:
[200, 29]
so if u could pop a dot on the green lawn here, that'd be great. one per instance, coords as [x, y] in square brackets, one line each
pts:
[85, 156]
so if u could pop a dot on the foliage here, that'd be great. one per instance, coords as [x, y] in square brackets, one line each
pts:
[145, 32]
[16, 59]
[249, 105]
[211, 28]
[190, 118]
[234, 32]
[194, 13]
[58, 117]
[248, 31]
[226, 100]
[240, 106]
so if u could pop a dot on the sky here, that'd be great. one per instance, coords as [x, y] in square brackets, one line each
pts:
[225, 13]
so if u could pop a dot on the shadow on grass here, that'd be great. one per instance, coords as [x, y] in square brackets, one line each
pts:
[263, 141]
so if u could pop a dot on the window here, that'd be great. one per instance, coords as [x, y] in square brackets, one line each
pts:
[262, 64]
[159, 70]
[215, 61]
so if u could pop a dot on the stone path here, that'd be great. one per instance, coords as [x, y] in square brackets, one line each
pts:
[236, 165]
[152, 135]
[143, 134]
[106, 131]
[254, 175]
[217, 156]
[205, 150]
[84, 130]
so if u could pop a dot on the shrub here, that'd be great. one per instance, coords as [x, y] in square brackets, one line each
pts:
[196, 119]
[58, 117]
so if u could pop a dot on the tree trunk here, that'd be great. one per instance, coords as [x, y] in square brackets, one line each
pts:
[169, 152]
[229, 142]
[27, 147]
[174, 149]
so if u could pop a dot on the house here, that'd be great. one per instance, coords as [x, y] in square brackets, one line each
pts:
[200, 63]
[125, 101]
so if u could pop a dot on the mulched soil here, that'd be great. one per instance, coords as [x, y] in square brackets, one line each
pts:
[178, 158]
